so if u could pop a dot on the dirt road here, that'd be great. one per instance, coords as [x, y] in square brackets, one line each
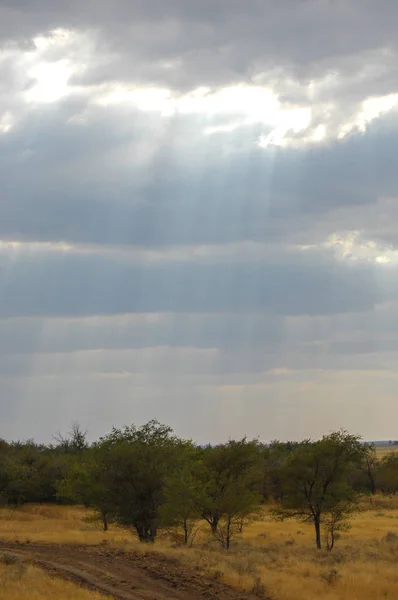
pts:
[124, 576]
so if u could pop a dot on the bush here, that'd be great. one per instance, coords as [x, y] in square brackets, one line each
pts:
[330, 577]
[17, 566]
[260, 590]
[391, 536]
[217, 575]
[9, 559]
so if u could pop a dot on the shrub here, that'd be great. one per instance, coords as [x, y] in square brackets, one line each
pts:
[260, 590]
[17, 567]
[330, 577]
[9, 559]
[391, 536]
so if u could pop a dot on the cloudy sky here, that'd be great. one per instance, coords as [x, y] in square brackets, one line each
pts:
[199, 216]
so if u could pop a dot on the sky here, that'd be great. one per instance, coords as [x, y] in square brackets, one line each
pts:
[199, 217]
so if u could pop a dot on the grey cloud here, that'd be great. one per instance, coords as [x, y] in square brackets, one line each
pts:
[215, 41]
[170, 335]
[191, 366]
[45, 335]
[243, 334]
[310, 283]
[87, 185]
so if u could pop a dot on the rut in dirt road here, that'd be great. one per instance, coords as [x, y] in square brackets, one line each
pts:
[127, 576]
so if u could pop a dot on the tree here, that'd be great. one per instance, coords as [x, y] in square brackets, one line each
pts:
[364, 479]
[387, 476]
[231, 476]
[370, 466]
[87, 483]
[29, 472]
[182, 499]
[74, 442]
[15, 481]
[337, 520]
[274, 457]
[316, 480]
[239, 503]
[138, 462]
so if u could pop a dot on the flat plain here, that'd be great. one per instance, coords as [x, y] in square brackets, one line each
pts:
[270, 560]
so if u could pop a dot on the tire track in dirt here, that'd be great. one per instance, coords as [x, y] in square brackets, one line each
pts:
[124, 576]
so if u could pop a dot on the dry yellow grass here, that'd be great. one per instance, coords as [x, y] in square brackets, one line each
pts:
[277, 558]
[24, 582]
[381, 451]
[50, 523]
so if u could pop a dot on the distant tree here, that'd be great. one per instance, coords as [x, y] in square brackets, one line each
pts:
[31, 471]
[364, 477]
[15, 481]
[387, 476]
[75, 441]
[275, 456]
[316, 481]
[370, 465]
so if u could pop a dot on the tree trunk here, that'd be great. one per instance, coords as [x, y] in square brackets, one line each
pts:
[372, 482]
[331, 545]
[228, 534]
[146, 533]
[214, 524]
[212, 520]
[153, 530]
[186, 533]
[317, 523]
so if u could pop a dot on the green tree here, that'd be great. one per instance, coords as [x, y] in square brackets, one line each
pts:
[364, 478]
[87, 483]
[15, 481]
[315, 480]
[139, 461]
[238, 505]
[336, 520]
[275, 456]
[387, 476]
[370, 465]
[183, 496]
[231, 477]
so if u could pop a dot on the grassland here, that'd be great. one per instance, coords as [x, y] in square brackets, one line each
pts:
[381, 451]
[20, 581]
[277, 560]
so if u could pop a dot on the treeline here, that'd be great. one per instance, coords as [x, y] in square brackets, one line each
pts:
[147, 478]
